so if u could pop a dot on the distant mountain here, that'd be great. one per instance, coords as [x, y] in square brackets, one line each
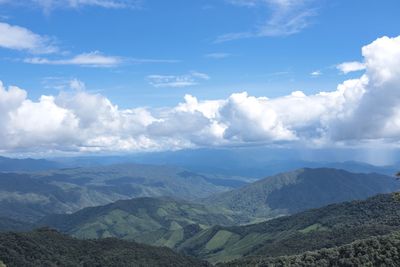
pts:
[26, 165]
[7, 225]
[155, 221]
[140, 180]
[49, 248]
[31, 196]
[326, 227]
[374, 251]
[303, 189]
[250, 162]
[25, 198]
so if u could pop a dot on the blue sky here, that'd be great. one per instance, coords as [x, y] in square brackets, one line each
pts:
[185, 32]
[143, 75]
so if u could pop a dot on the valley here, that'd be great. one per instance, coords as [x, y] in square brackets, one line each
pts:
[273, 220]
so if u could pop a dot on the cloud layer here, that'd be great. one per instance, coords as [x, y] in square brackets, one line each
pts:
[361, 110]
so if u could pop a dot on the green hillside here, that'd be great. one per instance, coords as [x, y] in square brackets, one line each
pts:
[374, 251]
[330, 226]
[49, 248]
[31, 196]
[303, 189]
[156, 221]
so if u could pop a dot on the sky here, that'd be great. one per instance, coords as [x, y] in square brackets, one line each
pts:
[86, 76]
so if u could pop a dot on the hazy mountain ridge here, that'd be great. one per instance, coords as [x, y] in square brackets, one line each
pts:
[31, 196]
[27, 165]
[302, 189]
[246, 162]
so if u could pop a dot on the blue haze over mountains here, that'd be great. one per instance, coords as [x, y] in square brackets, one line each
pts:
[243, 164]
[253, 163]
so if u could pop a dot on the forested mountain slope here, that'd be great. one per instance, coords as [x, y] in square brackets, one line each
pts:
[329, 226]
[46, 247]
[291, 192]
[155, 221]
[374, 251]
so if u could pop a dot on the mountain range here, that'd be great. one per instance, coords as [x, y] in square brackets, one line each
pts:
[224, 220]
[302, 189]
[171, 222]
[31, 196]
[365, 232]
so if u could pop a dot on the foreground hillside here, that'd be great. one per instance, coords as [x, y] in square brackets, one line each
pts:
[155, 221]
[374, 251]
[49, 248]
[325, 227]
[303, 189]
[31, 196]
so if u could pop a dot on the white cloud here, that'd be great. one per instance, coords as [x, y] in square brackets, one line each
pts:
[352, 66]
[287, 17]
[359, 111]
[96, 59]
[186, 80]
[92, 59]
[377, 114]
[19, 38]
[316, 73]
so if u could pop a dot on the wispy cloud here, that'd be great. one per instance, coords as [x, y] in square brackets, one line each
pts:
[92, 59]
[152, 60]
[20, 38]
[246, 3]
[351, 66]
[63, 83]
[217, 55]
[177, 81]
[316, 73]
[287, 17]
[48, 5]
[96, 59]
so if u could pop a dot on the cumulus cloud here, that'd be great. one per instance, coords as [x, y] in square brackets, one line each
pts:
[19, 38]
[347, 67]
[360, 110]
[177, 81]
[377, 114]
